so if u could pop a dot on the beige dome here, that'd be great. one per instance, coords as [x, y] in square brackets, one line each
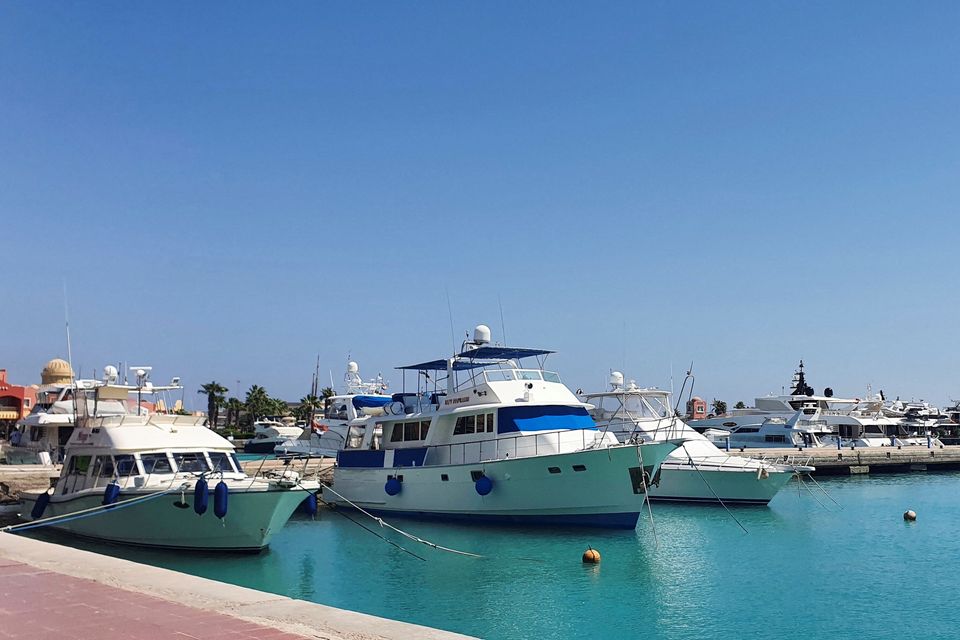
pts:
[56, 371]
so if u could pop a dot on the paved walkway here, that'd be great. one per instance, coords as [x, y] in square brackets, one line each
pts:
[43, 605]
[53, 592]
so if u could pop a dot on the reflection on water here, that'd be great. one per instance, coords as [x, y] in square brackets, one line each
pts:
[802, 567]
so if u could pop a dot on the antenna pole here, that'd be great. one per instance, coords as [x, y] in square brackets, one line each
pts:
[503, 327]
[453, 335]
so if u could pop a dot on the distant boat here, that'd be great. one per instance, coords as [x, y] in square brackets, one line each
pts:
[267, 434]
[498, 442]
[327, 434]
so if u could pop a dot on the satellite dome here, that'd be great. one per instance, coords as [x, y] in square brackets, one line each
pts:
[110, 373]
[481, 334]
[56, 371]
[616, 379]
[352, 367]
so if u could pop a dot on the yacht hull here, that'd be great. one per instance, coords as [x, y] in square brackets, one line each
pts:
[252, 518]
[682, 482]
[593, 487]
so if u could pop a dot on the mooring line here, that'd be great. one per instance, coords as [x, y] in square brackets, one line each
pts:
[730, 513]
[817, 484]
[384, 523]
[85, 513]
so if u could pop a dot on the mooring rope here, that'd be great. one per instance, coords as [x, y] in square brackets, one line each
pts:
[384, 523]
[694, 465]
[86, 513]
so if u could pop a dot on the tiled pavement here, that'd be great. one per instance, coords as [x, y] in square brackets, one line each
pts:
[41, 605]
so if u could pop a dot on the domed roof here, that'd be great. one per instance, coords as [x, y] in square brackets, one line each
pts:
[56, 371]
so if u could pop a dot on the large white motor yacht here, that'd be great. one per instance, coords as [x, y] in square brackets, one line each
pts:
[267, 434]
[697, 471]
[499, 442]
[160, 480]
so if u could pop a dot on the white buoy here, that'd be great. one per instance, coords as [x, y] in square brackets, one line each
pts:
[909, 515]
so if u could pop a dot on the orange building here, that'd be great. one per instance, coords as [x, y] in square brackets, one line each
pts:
[16, 401]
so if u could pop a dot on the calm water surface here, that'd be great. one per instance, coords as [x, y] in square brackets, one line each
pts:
[802, 569]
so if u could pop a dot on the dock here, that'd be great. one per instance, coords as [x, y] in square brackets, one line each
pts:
[863, 460]
[52, 591]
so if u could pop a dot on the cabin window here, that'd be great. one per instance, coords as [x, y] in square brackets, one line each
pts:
[747, 430]
[553, 469]
[528, 375]
[411, 431]
[236, 463]
[489, 423]
[102, 467]
[424, 428]
[125, 465]
[550, 376]
[220, 461]
[775, 438]
[79, 465]
[444, 477]
[192, 462]
[579, 467]
[156, 463]
[397, 434]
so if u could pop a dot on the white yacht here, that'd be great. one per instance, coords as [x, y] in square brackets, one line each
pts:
[697, 471]
[852, 421]
[267, 434]
[802, 430]
[498, 442]
[326, 435]
[160, 480]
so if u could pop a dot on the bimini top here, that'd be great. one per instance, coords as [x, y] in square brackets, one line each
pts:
[370, 402]
[480, 353]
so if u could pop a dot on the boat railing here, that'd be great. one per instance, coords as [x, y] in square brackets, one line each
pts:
[516, 446]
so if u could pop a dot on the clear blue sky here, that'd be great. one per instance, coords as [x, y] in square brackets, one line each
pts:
[230, 189]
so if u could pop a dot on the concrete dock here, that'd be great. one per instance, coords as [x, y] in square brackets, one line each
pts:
[52, 592]
[832, 461]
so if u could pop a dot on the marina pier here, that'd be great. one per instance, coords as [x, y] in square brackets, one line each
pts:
[861, 460]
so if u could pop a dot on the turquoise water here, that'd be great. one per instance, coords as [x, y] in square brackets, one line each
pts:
[802, 570]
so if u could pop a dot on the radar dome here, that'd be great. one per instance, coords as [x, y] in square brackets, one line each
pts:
[110, 373]
[56, 371]
[352, 367]
[616, 379]
[481, 334]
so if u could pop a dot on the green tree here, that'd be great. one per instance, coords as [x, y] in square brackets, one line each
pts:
[740, 405]
[257, 403]
[719, 407]
[215, 393]
[309, 404]
[234, 407]
[326, 393]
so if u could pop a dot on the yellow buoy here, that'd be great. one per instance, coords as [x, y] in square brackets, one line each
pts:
[591, 556]
[910, 515]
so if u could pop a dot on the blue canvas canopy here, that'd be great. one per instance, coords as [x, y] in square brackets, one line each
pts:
[480, 353]
[371, 402]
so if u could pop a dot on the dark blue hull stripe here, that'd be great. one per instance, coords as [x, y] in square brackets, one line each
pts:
[601, 520]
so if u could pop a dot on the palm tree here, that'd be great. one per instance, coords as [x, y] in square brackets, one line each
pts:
[215, 398]
[257, 403]
[309, 404]
[234, 406]
[326, 393]
[719, 407]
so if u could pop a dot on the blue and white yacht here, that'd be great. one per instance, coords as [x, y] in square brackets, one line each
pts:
[327, 434]
[484, 438]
